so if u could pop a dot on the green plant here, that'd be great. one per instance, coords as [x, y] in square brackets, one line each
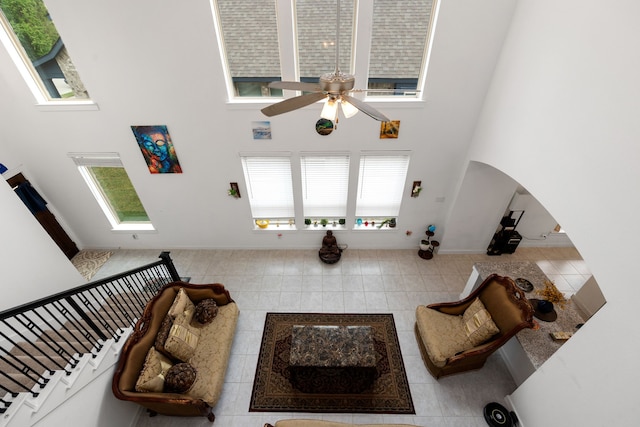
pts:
[31, 23]
[552, 294]
[390, 221]
[307, 221]
[324, 222]
[342, 221]
[232, 192]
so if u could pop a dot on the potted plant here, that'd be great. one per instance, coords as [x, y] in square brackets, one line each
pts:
[324, 222]
[424, 245]
[307, 221]
[390, 221]
[342, 221]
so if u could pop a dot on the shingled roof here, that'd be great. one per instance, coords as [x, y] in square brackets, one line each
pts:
[251, 38]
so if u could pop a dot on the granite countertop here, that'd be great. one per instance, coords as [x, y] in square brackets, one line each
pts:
[537, 344]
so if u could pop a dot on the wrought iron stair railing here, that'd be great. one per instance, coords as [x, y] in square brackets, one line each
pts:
[53, 333]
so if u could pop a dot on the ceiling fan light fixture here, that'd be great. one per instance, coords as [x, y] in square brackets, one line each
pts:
[330, 109]
[348, 109]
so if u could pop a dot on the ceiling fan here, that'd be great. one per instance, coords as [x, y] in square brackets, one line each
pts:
[334, 87]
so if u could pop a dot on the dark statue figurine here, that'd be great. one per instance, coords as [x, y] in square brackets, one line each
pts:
[330, 252]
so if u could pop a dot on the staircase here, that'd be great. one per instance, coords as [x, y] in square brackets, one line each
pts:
[52, 348]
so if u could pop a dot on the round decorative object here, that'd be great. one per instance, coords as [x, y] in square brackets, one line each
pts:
[206, 311]
[497, 415]
[324, 126]
[179, 378]
[262, 223]
[524, 284]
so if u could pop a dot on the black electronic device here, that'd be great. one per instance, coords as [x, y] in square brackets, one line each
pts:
[506, 239]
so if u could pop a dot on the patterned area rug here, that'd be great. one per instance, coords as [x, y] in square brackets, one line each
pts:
[89, 262]
[272, 391]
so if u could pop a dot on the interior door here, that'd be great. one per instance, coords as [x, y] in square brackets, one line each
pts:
[37, 206]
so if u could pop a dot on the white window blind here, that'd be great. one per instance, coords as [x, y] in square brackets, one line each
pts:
[269, 186]
[381, 185]
[325, 184]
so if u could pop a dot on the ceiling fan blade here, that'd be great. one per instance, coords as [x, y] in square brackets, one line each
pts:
[365, 108]
[305, 87]
[292, 104]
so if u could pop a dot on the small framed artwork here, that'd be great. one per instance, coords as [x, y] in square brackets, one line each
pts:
[157, 148]
[324, 127]
[261, 130]
[389, 129]
[234, 190]
[416, 188]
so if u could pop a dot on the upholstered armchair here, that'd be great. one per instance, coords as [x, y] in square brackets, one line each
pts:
[459, 336]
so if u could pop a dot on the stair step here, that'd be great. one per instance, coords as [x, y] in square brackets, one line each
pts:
[70, 338]
[32, 362]
[22, 379]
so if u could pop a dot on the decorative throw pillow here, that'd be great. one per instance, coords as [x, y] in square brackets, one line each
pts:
[163, 333]
[183, 338]
[153, 374]
[478, 324]
[181, 303]
[180, 378]
[206, 311]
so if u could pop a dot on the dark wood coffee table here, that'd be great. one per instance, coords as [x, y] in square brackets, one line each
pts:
[332, 359]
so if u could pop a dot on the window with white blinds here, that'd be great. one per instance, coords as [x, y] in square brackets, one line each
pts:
[325, 184]
[269, 186]
[381, 184]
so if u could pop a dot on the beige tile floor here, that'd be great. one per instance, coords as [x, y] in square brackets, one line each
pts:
[389, 281]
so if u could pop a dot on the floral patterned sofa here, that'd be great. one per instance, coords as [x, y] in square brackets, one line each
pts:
[183, 336]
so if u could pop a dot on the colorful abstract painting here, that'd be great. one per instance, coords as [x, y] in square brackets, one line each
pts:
[157, 148]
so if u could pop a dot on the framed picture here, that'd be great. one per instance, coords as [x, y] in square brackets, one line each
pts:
[389, 129]
[324, 127]
[157, 148]
[261, 130]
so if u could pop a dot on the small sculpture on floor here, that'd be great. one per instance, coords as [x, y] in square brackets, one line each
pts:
[330, 252]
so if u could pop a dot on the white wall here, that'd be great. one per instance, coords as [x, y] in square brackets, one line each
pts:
[561, 119]
[161, 66]
[32, 264]
[484, 195]
[589, 297]
[99, 406]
